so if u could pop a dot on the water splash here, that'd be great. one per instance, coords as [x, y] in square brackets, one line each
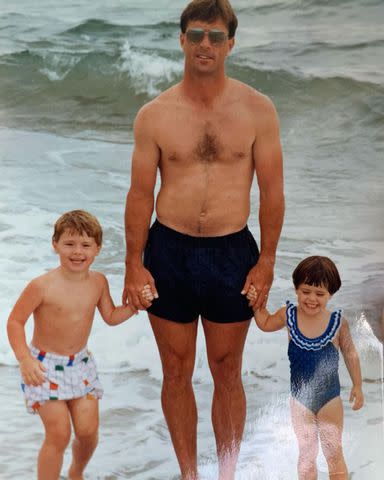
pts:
[372, 355]
[148, 72]
[270, 432]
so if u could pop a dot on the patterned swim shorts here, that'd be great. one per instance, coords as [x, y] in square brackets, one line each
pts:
[67, 377]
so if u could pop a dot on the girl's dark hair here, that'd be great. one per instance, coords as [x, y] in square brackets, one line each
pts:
[317, 271]
[209, 11]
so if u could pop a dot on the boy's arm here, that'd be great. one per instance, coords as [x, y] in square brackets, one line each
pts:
[31, 369]
[270, 322]
[352, 362]
[111, 314]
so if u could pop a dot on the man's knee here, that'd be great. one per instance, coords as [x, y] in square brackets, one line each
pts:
[226, 372]
[178, 377]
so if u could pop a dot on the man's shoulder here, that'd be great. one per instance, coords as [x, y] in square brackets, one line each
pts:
[156, 105]
[251, 96]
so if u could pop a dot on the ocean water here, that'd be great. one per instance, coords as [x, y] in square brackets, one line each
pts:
[72, 77]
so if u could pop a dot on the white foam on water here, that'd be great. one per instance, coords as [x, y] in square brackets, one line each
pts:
[147, 71]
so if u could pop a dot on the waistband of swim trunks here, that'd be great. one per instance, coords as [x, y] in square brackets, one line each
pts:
[60, 359]
[230, 239]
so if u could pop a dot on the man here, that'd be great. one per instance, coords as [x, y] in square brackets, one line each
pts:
[207, 135]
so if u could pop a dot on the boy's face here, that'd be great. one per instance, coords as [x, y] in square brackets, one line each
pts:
[76, 252]
[312, 300]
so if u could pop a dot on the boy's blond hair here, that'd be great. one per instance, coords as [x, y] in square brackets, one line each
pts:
[78, 221]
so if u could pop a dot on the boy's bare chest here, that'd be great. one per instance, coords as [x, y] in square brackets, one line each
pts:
[71, 302]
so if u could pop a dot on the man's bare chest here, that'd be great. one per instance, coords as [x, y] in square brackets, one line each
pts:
[207, 141]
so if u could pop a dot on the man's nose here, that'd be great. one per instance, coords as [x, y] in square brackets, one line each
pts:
[205, 42]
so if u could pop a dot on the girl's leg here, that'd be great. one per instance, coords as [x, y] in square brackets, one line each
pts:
[330, 421]
[85, 418]
[305, 427]
[56, 420]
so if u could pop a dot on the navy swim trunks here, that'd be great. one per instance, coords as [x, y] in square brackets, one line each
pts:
[200, 275]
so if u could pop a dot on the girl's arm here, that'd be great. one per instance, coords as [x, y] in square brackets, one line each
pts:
[352, 362]
[32, 370]
[264, 320]
[270, 322]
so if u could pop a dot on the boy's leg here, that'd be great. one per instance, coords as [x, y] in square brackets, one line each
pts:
[330, 421]
[306, 430]
[57, 424]
[85, 418]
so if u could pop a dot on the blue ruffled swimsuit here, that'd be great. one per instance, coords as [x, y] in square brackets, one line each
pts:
[314, 362]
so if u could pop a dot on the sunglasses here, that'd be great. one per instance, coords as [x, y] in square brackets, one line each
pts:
[196, 35]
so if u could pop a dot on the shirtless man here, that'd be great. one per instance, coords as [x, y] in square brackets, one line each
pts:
[207, 135]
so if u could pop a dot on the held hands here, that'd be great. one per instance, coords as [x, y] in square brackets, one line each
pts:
[260, 277]
[357, 397]
[252, 297]
[32, 371]
[137, 279]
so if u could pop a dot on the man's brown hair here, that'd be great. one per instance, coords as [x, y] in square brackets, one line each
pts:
[319, 272]
[209, 11]
[78, 221]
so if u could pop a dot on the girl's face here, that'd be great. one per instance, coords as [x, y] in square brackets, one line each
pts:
[312, 300]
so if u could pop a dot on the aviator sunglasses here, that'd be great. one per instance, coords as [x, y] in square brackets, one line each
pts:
[196, 35]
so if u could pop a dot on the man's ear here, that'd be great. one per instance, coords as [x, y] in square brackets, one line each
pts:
[231, 44]
[182, 39]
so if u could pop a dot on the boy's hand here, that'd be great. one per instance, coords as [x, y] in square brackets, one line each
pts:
[147, 295]
[32, 371]
[356, 397]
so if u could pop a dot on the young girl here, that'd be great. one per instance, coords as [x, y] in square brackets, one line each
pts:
[315, 337]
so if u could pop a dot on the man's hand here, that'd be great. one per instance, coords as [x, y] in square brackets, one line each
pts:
[32, 371]
[136, 277]
[261, 277]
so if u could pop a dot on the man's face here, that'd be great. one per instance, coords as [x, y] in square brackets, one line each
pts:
[206, 54]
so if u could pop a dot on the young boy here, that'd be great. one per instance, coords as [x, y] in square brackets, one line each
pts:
[315, 337]
[60, 380]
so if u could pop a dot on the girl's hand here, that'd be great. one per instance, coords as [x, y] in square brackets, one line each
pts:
[357, 397]
[147, 294]
[252, 295]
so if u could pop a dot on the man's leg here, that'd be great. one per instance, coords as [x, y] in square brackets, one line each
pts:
[177, 348]
[85, 418]
[57, 424]
[225, 344]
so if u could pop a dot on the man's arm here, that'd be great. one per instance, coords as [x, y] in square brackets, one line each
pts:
[139, 207]
[268, 161]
